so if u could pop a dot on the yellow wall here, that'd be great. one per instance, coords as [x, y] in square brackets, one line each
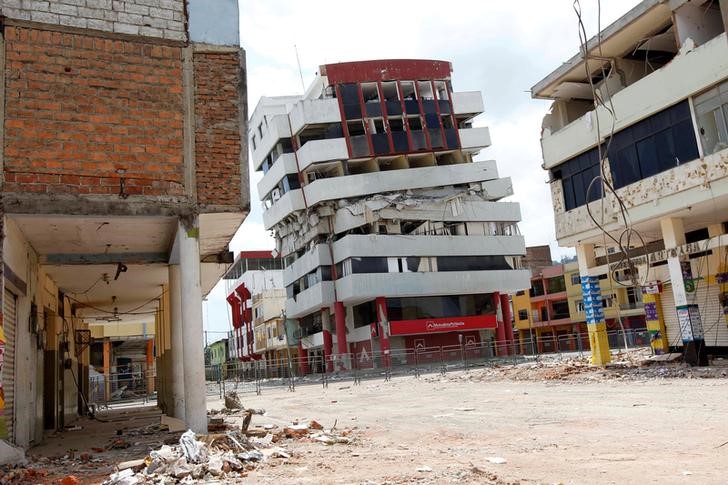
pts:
[522, 302]
[112, 330]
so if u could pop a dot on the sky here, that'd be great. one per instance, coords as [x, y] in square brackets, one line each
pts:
[500, 48]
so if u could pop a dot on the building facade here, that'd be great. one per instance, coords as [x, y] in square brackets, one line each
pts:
[255, 293]
[123, 179]
[639, 177]
[393, 236]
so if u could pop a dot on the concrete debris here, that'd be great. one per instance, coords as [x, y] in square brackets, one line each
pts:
[11, 455]
[232, 401]
[496, 460]
[637, 364]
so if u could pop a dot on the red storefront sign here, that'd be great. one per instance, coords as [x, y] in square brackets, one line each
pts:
[440, 325]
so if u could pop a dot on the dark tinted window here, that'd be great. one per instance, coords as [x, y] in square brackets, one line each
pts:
[653, 145]
[439, 306]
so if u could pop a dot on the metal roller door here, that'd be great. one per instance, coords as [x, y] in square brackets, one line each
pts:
[711, 315]
[9, 325]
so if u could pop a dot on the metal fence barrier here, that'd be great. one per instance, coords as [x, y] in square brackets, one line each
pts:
[256, 375]
[119, 387]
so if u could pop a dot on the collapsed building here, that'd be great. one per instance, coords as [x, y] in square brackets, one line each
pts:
[124, 177]
[393, 236]
[636, 147]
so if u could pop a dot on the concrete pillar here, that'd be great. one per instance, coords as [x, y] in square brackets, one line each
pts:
[655, 324]
[107, 368]
[328, 340]
[592, 297]
[383, 322]
[302, 359]
[192, 333]
[175, 318]
[683, 286]
[507, 321]
[149, 362]
[343, 347]
[500, 330]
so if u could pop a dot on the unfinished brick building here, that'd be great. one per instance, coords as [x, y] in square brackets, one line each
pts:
[124, 177]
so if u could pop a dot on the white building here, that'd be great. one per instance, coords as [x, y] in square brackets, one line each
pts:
[662, 73]
[381, 213]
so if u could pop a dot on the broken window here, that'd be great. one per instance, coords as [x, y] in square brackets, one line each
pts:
[370, 94]
[411, 105]
[711, 109]
[391, 98]
[356, 128]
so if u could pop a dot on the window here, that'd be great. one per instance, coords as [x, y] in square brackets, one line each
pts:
[555, 285]
[580, 306]
[523, 314]
[575, 279]
[711, 109]
[576, 175]
[364, 314]
[439, 306]
[656, 144]
[471, 263]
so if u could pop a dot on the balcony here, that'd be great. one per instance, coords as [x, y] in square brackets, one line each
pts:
[356, 287]
[322, 151]
[277, 128]
[314, 111]
[396, 245]
[284, 165]
[474, 139]
[311, 299]
[320, 256]
[467, 103]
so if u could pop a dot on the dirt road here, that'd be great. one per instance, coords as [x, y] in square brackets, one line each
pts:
[637, 431]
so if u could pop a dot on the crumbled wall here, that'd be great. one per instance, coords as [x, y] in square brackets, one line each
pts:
[83, 111]
[154, 18]
[220, 114]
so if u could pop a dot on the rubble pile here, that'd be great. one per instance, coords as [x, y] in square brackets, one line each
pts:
[636, 364]
[38, 469]
[222, 456]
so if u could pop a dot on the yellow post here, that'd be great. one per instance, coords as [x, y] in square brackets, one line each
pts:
[655, 324]
[599, 343]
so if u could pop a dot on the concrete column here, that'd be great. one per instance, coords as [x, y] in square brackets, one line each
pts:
[507, 323]
[107, 368]
[383, 322]
[683, 288]
[150, 361]
[655, 324]
[302, 359]
[328, 341]
[500, 330]
[175, 318]
[343, 347]
[592, 297]
[192, 333]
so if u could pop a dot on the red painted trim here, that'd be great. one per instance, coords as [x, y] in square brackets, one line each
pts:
[404, 116]
[364, 119]
[441, 325]
[385, 116]
[344, 125]
[257, 254]
[423, 123]
[386, 70]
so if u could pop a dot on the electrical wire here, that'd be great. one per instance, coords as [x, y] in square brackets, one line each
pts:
[132, 311]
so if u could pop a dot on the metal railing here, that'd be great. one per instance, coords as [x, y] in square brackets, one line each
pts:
[119, 387]
[256, 375]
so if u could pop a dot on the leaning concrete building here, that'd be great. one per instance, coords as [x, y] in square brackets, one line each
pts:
[124, 176]
[650, 164]
[393, 237]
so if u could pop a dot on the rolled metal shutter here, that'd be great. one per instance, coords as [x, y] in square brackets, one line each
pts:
[9, 326]
[715, 329]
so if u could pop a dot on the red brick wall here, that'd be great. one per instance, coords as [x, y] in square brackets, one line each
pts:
[218, 105]
[78, 108]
